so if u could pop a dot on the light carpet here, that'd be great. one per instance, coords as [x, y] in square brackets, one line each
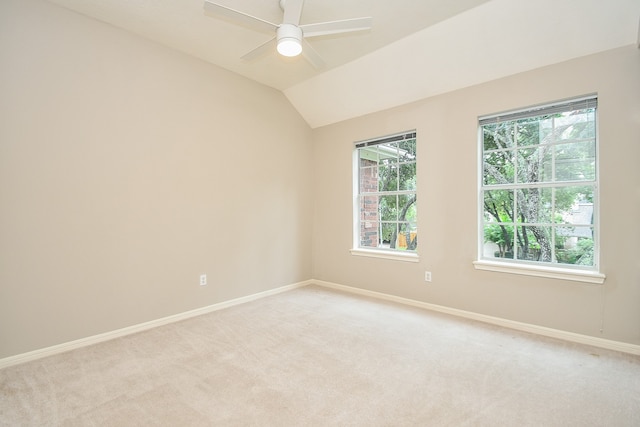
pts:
[319, 357]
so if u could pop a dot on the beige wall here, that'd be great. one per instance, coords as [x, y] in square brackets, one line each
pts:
[447, 201]
[127, 170]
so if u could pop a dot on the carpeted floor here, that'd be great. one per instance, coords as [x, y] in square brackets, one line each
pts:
[318, 357]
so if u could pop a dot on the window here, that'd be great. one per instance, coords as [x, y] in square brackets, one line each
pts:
[386, 213]
[539, 189]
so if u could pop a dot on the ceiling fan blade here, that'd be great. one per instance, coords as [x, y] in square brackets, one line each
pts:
[336, 27]
[216, 10]
[311, 55]
[292, 11]
[266, 47]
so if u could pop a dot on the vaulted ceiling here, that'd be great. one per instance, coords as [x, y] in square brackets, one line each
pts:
[416, 48]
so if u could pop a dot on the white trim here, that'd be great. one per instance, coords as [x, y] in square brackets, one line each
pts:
[540, 330]
[526, 327]
[392, 255]
[541, 271]
[95, 339]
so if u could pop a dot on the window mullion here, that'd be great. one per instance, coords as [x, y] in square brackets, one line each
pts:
[553, 224]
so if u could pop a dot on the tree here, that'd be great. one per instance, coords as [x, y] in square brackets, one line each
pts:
[518, 156]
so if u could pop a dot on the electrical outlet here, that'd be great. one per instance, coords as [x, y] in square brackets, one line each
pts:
[203, 279]
[427, 276]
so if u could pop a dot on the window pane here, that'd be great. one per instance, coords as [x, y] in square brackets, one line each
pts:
[368, 156]
[407, 150]
[498, 135]
[498, 241]
[574, 205]
[388, 206]
[498, 168]
[498, 205]
[388, 153]
[527, 132]
[389, 232]
[562, 233]
[407, 208]
[585, 124]
[575, 161]
[408, 176]
[407, 237]
[577, 124]
[534, 243]
[531, 164]
[546, 129]
[369, 208]
[369, 234]
[534, 205]
[368, 178]
[388, 178]
[574, 245]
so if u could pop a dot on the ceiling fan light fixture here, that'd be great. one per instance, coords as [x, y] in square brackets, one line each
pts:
[289, 40]
[289, 47]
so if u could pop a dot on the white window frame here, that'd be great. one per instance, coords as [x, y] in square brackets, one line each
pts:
[539, 269]
[357, 249]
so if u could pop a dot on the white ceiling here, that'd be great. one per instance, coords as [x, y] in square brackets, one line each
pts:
[416, 49]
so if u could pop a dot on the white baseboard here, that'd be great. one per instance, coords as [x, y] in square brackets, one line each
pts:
[95, 339]
[539, 330]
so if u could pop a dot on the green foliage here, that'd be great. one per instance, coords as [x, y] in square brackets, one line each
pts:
[528, 154]
[582, 254]
[500, 235]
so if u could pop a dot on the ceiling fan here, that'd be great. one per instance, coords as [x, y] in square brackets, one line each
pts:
[290, 38]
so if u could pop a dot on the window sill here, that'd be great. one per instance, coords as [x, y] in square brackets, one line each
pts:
[541, 271]
[392, 255]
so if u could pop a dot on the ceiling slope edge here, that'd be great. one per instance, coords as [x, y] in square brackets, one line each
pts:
[494, 40]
